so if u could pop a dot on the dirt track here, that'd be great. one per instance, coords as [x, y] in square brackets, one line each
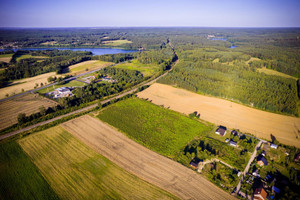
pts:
[222, 112]
[146, 164]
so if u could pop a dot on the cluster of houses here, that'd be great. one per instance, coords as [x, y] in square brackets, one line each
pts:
[222, 132]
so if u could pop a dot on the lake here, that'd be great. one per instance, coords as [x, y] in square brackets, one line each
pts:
[95, 51]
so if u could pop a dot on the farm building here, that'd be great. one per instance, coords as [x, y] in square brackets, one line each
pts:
[221, 130]
[232, 143]
[261, 161]
[62, 92]
[194, 163]
[226, 140]
[274, 146]
[260, 194]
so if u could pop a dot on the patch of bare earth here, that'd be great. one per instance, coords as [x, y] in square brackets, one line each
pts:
[222, 112]
[142, 162]
[5, 59]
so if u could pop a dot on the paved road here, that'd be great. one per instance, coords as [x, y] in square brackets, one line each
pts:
[248, 166]
[85, 108]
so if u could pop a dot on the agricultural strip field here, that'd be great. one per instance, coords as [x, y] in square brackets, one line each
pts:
[20, 178]
[27, 104]
[26, 84]
[5, 58]
[160, 130]
[146, 164]
[223, 112]
[29, 56]
[75, 171]
[145, 69]
[90, 65]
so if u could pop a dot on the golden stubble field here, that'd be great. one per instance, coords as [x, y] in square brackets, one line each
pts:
[142, 162]
[222, 112]
[26, 84]
[75, 171]
[28, 104]
[88, 66]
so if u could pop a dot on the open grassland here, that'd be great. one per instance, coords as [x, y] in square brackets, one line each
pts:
[49, 43]
[146, 164]
[29, 56]
[26, 84]
[5, 58]
[116, 42]
[274, 73]
[248, 120]
[87, 66]
[20, 178]
[27, 104]
[161, 130]
[145, 69]
[73, 83]
[75, 171]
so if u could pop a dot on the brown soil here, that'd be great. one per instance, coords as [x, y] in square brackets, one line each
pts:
[222, 112]
[146, 164]
[5, 59]
[27, 104]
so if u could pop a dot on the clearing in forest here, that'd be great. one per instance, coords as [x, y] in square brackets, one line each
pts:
[146, 164]
[28, 104]
[274, 73]
[262, 124]
[88, 66]
[75, 171]
[5, 58]
[116, 42]
[145, 69]
[26, 84]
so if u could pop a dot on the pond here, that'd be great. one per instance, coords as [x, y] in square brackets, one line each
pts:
[95, 51]
[224, 39]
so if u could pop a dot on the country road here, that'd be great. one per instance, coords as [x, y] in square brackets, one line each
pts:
[2, 137]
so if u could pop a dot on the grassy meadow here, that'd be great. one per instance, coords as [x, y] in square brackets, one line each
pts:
[29, 56]
[73, 83]
[145, 69]
[88, 66]
[116, 42]
[20, 178]
[75, 171]
[159, 129]
[274, 73]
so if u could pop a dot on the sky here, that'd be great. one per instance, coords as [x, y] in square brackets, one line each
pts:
[149, 13]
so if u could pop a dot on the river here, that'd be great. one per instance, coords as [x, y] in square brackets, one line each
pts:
[95, 51]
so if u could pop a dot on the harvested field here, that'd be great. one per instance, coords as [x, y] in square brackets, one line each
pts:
[222, 112]
[6, 59]
[90, 65]
[26, 84]
[75, 171]
[116, 42]
[27, 104]
[146, 164]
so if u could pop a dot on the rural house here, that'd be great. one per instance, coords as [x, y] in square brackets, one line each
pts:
[194, 163]
[261, 161]
[260, 194]
[274, 146]
[221, 130]
[232, 143]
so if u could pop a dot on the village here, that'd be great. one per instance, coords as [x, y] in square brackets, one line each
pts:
[268, 171]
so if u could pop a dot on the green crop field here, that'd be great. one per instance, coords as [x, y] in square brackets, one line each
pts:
[159, 129]
[116, 42]
[6, 55]
[75, 171]
[73, 83]
[29, 56]
[145, 69]
[20, 178]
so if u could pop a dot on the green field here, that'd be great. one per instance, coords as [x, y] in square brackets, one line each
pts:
[29, 56]
[274, 73]
[159, 129]
[116, 42]
[145, 69]
[5, 55]
[20, 178]
[75, 171]
[73, 83]
[90, 65]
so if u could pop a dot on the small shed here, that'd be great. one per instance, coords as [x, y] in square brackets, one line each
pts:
[274, 146]
[232, 143]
